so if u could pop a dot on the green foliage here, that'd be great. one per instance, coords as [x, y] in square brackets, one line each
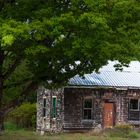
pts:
[10, 126]
[24, 116]
[133, 135]
[16, 83]
[41, 41]
[28, 135]
[98, 31]
[126, 128]
[124, 131]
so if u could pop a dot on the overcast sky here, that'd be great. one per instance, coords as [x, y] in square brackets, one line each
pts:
[134, 66]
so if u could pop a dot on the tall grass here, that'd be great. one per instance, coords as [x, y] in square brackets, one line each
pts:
[14, 133]
[10, 126]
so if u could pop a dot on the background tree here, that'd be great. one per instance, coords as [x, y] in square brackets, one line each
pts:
[49, 41]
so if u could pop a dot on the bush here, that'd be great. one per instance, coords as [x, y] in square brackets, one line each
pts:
[10, 126]
[24, 116]
[122, 130]
[133, 135]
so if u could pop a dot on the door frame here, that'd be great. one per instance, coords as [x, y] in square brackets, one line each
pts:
[114, 112]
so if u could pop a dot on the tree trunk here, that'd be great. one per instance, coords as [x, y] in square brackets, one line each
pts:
[1, 122]
[1, 112]
[1, 91]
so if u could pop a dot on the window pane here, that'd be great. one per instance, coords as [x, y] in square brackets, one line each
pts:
[44, 107]
[134, 104]
[87, 114]
[44, 102]
[88, 103]
[54, 107]
[134, 115]
[44, 112]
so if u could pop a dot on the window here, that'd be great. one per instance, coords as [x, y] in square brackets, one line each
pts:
[44, 107]
[134, 113]
[87, 109]
[54, 107]
[134, 104]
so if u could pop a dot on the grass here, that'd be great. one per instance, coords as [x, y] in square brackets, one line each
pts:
[29, 135]
[13, 132]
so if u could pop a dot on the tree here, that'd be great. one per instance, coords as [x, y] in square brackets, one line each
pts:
[49, 41]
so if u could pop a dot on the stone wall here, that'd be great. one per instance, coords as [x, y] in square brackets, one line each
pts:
[73, 109]
[70, 108]
[47, 123]
[73, 105]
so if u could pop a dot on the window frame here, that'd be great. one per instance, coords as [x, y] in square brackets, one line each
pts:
[86, 98]
[134, 114]
[138, 105]
[44, 107]
[54, 116]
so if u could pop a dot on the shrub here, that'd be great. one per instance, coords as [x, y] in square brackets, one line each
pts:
[10, 126]
[124, 127]
[24, 115]
[122, 130]
[133, 135]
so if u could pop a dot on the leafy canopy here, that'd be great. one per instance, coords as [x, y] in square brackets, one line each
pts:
[50, 41]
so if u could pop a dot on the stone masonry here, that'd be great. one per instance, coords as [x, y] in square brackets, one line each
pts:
[47, 123]
[70, 108]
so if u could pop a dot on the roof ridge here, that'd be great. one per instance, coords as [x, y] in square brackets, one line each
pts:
[119, 71]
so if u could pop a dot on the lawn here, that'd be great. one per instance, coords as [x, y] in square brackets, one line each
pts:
[29, 135]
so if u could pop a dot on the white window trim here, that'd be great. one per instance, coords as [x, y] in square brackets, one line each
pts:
[44, 97]
[87, 97]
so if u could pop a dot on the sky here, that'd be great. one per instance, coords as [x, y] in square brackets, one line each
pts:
[134, 66]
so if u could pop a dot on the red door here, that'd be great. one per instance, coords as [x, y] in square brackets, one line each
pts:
[108, 115]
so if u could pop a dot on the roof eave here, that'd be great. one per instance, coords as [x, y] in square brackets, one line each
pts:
[103, 87]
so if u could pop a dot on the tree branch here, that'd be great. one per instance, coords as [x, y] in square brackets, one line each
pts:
[18, 83]
[11, 68]
[4, 2]
[6, 53]
[32, 85]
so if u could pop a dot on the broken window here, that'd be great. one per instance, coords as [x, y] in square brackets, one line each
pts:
[87, 109]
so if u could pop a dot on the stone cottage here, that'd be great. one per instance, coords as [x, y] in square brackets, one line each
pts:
[99, 100]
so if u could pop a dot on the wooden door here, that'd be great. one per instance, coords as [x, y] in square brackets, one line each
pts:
[108, 115]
